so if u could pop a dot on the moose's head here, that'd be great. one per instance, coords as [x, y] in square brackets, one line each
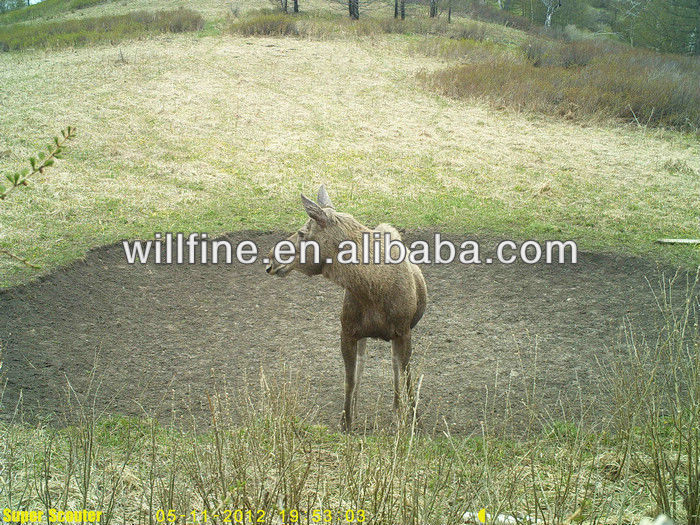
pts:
[318, 229]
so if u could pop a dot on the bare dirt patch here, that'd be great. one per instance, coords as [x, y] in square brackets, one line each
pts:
[156, 333]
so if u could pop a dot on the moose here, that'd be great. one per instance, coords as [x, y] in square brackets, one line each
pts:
[383, 300]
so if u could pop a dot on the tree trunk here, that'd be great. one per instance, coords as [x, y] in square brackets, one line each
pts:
[296, 6]
[284, 5]
[433, 8]
[354, 9]
[551, 5]
[396, 8]
[449, 14]
[403, 9]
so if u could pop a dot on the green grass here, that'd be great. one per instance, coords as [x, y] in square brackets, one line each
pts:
[87, 31]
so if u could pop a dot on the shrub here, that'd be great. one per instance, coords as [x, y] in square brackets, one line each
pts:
[543, 52]
[488, 13]
[465, 49]
[98, 29]
[266, 23]
[627, 85]
[472, 31]
[174, 21]
[535, 50]
[20, 178]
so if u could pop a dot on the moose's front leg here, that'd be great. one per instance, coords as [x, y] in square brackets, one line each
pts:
[348, 347]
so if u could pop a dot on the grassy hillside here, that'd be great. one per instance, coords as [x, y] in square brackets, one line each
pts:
[220, 133]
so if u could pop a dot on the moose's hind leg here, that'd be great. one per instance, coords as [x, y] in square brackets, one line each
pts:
[359, 370]
[401, 355]
[348, 347]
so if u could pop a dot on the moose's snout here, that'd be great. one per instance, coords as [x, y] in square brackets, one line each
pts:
[275, 268]
[271, 263]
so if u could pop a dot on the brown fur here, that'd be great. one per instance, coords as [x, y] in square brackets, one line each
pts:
[383, 301]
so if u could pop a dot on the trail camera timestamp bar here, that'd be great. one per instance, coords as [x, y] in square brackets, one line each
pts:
[246, 516]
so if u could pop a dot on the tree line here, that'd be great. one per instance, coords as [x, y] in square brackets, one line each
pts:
[664, 25]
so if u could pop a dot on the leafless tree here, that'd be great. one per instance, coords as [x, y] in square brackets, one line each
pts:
[630, 10]
[551, 6]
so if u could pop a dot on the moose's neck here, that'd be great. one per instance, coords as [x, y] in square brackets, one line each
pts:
[362, 280]
[355, 278]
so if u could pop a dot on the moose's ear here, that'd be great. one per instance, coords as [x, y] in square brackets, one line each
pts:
[314, 211]
[323, 199]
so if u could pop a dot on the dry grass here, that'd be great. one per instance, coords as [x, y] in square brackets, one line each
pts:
[262, 452]
[224, 142]
[486, 12]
